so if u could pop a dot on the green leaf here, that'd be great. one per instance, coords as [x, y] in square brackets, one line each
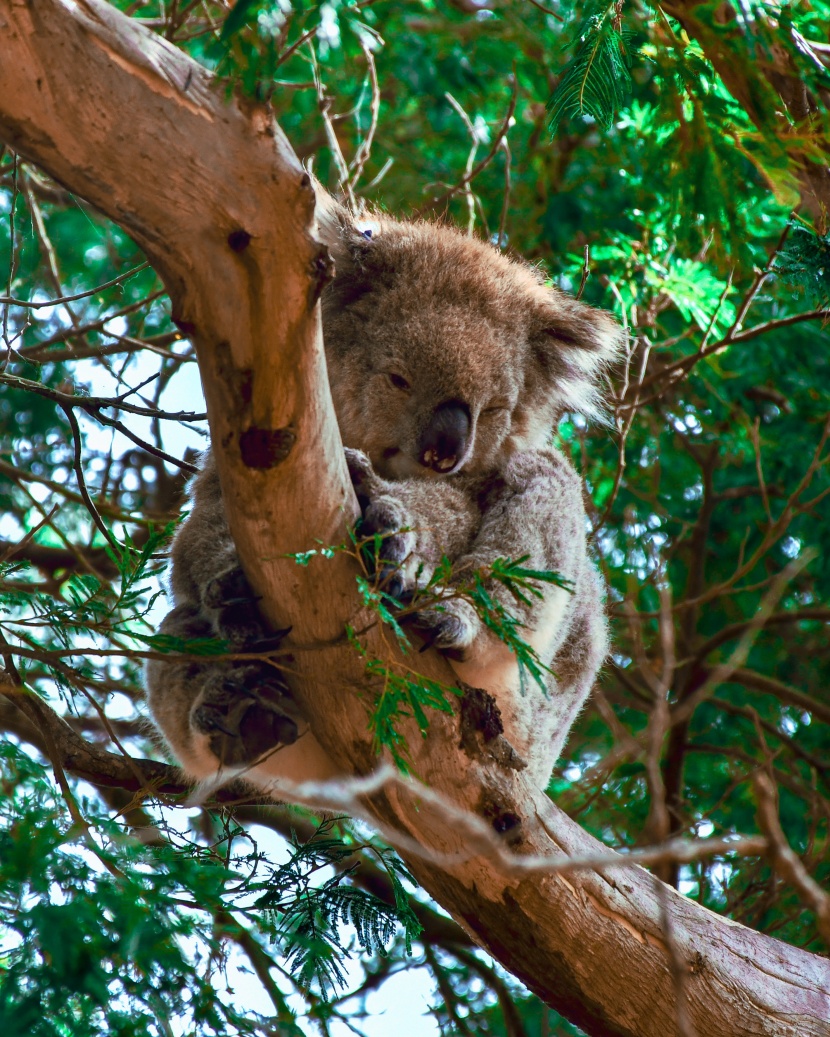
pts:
[597, 80]
[243, 11]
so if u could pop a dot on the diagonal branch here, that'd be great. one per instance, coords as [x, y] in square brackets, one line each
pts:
[227, 226]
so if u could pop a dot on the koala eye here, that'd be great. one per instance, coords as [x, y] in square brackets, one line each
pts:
[491, 412]
[399, 382]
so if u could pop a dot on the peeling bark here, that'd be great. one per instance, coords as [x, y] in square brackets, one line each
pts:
[212, 191]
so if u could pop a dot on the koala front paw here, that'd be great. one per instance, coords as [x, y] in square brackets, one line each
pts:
[386, 517]
[452, 627]
[238, 620]
[245, 712]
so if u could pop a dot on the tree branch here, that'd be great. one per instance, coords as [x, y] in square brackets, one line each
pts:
[228, 228]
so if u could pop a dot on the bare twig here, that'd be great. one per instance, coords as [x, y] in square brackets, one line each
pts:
[12, 255]
[785, 861]
[547, 10]
[365, 149]
[505, 203]
[586, 269]
[469, 176]
[8, 300]
[471, 157]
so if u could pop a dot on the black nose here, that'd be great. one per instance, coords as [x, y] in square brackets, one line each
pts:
[444, 441]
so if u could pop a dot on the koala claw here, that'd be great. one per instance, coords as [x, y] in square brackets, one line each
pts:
[238, 620]
[386, 518]
[360, 470]
[451, 628]
[269, 643]
[229, 588]
[243, 719]
[392, 582]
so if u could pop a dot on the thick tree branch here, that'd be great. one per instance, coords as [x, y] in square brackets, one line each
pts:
[214, 195]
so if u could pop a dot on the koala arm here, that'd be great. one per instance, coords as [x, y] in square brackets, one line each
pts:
[533, 507]
[421, 521]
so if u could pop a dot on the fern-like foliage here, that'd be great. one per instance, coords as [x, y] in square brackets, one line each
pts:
[307, 917]
[397, 691]
[805, 263]
[522, 584]
[597, 79]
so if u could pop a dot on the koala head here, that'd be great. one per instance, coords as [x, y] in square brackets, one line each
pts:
[444, 354]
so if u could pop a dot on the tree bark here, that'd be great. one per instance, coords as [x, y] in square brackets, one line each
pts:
[212, 191]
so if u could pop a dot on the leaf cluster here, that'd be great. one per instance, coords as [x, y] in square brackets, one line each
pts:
[307, 918]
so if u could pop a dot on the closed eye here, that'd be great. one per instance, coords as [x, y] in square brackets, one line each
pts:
[492, 411]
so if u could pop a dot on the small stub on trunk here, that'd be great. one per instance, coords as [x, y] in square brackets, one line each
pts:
[265, 447]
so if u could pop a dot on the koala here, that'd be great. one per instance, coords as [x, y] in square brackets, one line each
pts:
[450, 365]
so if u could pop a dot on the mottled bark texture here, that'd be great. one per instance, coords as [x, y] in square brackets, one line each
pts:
[213, 193]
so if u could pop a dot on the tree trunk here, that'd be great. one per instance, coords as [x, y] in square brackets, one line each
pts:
[213, 193]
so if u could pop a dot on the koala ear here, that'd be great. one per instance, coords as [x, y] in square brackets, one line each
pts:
[348, 240]
[350, 244]
[572, 345]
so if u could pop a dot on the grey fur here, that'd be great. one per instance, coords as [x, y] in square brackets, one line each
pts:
[449, 365]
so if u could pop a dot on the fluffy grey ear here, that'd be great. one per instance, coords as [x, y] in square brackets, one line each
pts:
[333, 219]
[573, 345]
[351, 247]
[346, 238]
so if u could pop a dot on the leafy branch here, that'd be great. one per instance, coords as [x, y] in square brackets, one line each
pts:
[597, 79]
[398, 691]
[308, 917]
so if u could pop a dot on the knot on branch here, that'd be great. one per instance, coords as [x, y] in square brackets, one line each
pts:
[239, 240]
[265, 447]
[321, 272]
[482, 730]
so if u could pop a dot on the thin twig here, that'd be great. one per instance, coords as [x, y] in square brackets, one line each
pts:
[547, 10]
[468, 177]
[324, 105]
[586, 269]
[471, 157]
[305, 38]
[505, 203]
[63, 299]
[365, 150]
[784, 860]
[81, 480]
[12, 255]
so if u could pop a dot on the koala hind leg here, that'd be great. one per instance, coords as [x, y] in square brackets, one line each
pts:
[223, 712]
[244, 711]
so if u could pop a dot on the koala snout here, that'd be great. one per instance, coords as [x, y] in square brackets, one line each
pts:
[444, 442]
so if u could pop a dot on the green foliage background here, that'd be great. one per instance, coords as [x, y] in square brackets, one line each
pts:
[626, 156]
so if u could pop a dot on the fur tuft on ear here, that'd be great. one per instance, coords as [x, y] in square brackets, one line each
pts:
[333, 219]
[350, 242]
[574, 345]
